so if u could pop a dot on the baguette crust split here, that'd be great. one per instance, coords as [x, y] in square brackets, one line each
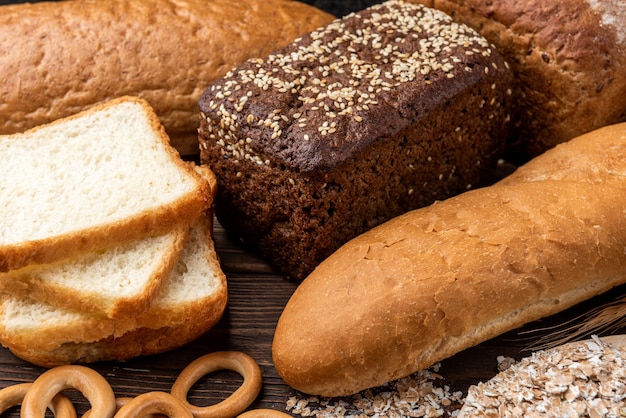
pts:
[437, 280]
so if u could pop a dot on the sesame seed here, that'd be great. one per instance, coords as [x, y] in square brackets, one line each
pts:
[337, 71]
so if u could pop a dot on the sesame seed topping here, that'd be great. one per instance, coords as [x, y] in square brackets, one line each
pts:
[338, 73]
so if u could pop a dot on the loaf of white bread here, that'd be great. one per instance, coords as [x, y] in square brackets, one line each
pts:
[100, 177]
[128, 275]
[61, 57]
[108, 245]
[437, 280]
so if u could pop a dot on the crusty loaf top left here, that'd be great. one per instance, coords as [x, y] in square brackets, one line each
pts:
[59, 58]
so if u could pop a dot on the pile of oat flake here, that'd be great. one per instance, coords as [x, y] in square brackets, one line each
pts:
[582, 379]
[418, 395]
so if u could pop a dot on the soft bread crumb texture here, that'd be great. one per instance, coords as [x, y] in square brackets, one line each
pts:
[85, 171]
[102, 177]
[116, 281]
[191, 302]
[121, 270]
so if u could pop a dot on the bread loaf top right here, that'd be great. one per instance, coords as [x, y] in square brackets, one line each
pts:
[569, 58]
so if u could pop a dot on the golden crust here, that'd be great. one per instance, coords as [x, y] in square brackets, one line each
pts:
[437, 280]
[61, 59]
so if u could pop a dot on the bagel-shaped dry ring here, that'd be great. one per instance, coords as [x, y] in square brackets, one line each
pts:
[13, 395]
[154, 403]
[264, 413]
[119, 402]
[90, 383]
[221, 360]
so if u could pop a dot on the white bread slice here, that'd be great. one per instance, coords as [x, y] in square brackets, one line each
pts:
[82, 183]
[191, 302]
[116, 282]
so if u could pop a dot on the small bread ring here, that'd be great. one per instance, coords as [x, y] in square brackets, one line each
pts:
[13, 395]
[89, 382]
[154, 403]
[119, 402]
[221, 360]
[264, 413]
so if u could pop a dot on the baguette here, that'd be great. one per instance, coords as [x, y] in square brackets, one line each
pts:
[437, 280]
[105, 176]
[62, 57]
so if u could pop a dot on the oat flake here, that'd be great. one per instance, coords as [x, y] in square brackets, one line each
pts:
[583, 379]
[417, 395]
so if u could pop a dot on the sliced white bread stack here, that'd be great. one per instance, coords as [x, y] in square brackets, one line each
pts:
[117, 252]
[191, 302]
[116, 282]
[98, 178]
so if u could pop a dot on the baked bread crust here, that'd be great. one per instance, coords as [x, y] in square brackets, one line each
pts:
[60, 57]
[569, 58]
[380, 112]
[440, 279]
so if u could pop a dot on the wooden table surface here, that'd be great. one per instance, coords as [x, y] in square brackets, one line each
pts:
[256, 298]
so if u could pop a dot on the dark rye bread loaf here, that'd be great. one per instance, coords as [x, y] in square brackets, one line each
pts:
[378, 113]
